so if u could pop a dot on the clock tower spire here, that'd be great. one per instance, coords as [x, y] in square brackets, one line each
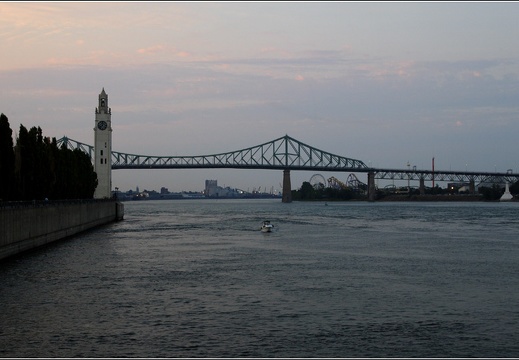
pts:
[103, 148]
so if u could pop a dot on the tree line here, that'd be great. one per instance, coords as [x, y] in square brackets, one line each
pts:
[320, 192]
[35, 168]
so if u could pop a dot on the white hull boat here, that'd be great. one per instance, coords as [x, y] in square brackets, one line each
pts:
[266, 226]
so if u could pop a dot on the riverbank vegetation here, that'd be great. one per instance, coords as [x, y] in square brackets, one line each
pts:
[308, 192]
[35, 168]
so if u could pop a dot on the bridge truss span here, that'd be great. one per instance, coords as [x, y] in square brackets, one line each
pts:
[73, 144]
[452, 176]
[283, 153]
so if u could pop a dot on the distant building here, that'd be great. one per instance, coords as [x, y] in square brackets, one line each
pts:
[211, 188]
[458, 187]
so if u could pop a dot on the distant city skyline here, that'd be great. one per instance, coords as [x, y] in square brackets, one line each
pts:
[385, 83]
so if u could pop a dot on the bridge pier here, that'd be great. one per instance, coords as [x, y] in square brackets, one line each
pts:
[287, 187]
[472, 187]
[422, 186]
[371, 186]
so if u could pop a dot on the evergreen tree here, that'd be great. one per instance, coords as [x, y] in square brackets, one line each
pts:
[42, 170]
[87, 178]
[23, 164]
[60, 186]
[41, 187]
[307, 191]
[7, 184]
[53, 155]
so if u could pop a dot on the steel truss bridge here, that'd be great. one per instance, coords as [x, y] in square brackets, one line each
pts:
[284, 153]
[453, 176]
[287, 153]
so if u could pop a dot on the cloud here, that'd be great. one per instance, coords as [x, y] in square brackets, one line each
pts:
[203, 78]
[152, 49]
[183, 54]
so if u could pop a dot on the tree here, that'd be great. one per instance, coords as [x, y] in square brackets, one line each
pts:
[42, 170]
[24, 163]
[514, 188]
[340, 194]
[7, 184]
[307, 191]
[87, 178]
[491, 193]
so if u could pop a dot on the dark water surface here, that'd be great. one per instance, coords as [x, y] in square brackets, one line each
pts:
[196, 278]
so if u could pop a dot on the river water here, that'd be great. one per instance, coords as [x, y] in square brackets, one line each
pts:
[196, 278]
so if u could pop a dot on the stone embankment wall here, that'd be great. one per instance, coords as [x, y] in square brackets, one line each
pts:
[25, 226]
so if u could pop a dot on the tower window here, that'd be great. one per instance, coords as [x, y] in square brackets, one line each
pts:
[101, 153]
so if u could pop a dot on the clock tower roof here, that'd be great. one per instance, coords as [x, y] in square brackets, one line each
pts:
[103, 103]
[103, 94]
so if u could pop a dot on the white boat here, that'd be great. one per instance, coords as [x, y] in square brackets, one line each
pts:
[266, 226]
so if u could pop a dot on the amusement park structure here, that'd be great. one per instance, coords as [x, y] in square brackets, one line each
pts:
[352, 183]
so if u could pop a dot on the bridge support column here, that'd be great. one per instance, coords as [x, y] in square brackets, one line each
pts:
[287, 187]
[371, 186]
[472, 187]
[422, 186]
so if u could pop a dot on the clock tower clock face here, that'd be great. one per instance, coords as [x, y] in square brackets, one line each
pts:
[102, 125]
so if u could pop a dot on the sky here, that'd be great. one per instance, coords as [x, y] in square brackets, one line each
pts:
[388, 83]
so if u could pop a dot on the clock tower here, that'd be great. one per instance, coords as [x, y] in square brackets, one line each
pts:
[103, 148]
